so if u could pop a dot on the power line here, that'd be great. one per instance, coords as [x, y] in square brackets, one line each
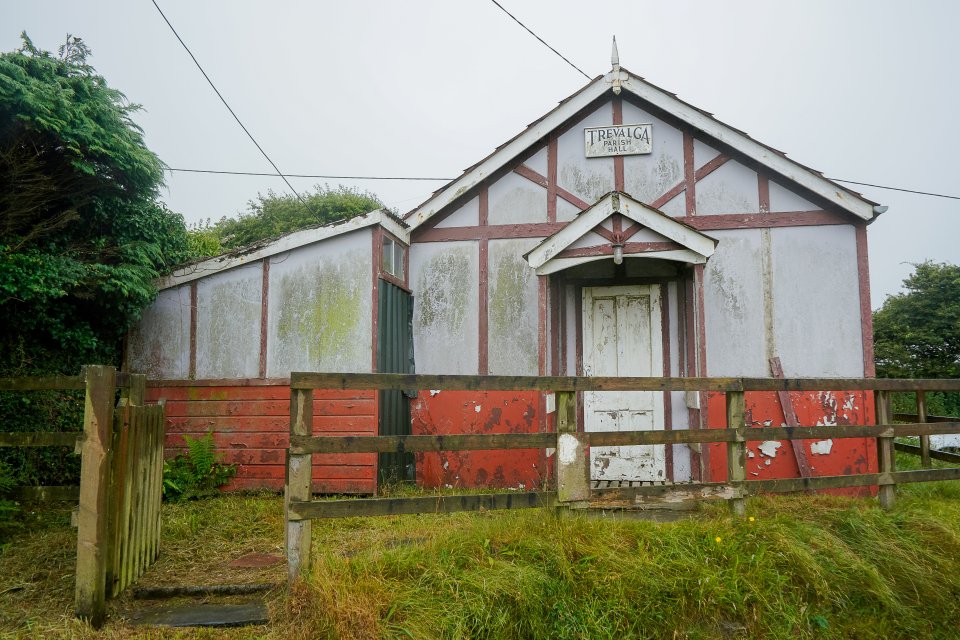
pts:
[880, 186]
[428, 179]
[224, 101]
[541, 39]
[305, 175]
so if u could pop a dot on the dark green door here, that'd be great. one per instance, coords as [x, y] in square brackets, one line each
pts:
[394, 355]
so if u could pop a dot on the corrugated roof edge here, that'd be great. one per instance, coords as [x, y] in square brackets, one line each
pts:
[423, 212]
[287, 242]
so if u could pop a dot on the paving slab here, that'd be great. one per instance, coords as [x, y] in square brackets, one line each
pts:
[203, 615]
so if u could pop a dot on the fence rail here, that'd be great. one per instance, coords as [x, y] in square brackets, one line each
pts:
[573, 486]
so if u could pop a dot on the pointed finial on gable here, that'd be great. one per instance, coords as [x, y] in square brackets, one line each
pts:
[615, 61]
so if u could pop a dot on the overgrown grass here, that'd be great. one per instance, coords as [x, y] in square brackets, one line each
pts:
[803, 567]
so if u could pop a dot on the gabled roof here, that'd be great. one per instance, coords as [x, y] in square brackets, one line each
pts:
[620, 80]
[293, 240]
[683, 242]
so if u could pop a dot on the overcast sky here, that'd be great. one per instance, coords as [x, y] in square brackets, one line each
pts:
[864, 91]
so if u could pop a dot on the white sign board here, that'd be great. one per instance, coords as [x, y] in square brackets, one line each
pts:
[618, 140]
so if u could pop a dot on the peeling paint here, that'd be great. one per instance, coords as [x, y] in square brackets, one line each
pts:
[478, 408]
[821, 447]
[567, 448]
[769, 448]
[434, 392]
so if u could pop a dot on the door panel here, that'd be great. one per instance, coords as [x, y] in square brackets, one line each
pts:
[622, 337]
[394, 355]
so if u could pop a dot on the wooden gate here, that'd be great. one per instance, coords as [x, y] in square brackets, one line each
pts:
[121, 480]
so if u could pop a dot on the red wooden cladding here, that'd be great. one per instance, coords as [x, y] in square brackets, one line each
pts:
[479, 412]
[251, 426]
[846, 455]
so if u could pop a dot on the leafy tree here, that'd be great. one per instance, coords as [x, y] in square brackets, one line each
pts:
[82, 232]
[274, 214]
[917, 333]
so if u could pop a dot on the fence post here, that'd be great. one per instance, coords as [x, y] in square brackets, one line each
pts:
[135, 391]
[925, 438]
[736, 451]
[298, 485]
[885, 454]
[573, 460]
[90, 594]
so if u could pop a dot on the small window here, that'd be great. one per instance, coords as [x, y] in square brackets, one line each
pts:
[392, 258]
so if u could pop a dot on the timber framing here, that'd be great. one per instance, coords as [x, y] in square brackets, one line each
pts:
[257, 252]
[401, 381]
[698, 121]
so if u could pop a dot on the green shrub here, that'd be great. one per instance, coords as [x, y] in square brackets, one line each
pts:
[197, 473]
[9, 510]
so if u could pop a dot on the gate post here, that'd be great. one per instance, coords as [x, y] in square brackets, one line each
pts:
[886, 454]
[736, 450]
[90, 596]
[299, 469]
[573, 464]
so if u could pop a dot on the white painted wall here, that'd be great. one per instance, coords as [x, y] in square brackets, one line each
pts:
[730, 189]
[816, 301]
[320, 307]
[782, 199]
[512, 309]
[734, 306]
[586, 178]
[444, 277]
[647, 176]
[228, 323]
[159, 345]
[466, 216]
[514, 199]
[809, 315]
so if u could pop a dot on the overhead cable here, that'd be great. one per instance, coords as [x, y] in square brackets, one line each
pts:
[541, 40]
[305, 175]
[880, 186]
[227, 105]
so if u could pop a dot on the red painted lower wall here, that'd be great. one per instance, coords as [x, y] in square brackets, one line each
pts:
[251, 426]
[846, 456]
[480, 412]
[251, 423]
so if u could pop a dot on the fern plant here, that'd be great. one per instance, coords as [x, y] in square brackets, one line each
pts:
[196, 474]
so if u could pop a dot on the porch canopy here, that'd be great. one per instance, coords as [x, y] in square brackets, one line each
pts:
[620, 227]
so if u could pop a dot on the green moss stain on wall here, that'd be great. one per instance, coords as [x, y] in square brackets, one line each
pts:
[228, 335]
[324, 319]
[512, 310]
[444, 286]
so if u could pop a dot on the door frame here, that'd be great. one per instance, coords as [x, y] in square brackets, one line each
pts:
[677, 302]
[659, 361]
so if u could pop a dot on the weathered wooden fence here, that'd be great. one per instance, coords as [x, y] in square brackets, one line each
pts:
[573, 487]
[121, 447]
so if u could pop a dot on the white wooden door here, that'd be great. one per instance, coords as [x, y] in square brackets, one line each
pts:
[622, 336]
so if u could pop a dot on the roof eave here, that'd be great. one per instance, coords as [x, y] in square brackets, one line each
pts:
[700, 120]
